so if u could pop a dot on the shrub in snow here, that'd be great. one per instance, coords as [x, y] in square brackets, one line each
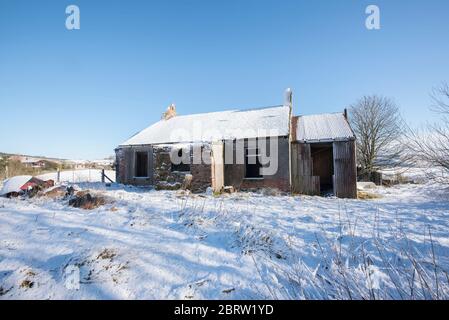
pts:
[251, 240]
[85, 200]
[164, 185]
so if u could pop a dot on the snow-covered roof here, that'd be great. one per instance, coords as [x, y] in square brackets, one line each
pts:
[323, 127]
[233, 124]
[14, 184]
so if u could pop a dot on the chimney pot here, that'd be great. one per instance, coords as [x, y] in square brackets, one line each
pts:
[170, 113]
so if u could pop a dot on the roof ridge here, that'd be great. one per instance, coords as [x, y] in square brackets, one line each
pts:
[230, 123]
[225, 111]
[319, 114]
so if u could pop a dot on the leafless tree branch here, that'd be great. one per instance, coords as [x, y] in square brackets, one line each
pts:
[430, 146]
[378, 125]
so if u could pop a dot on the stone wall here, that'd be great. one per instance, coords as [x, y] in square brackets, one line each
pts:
[160, 173]
[164, 177]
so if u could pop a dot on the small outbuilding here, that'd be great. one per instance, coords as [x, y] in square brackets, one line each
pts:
[324, 155]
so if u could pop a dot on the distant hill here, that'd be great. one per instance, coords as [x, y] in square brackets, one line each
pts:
[104, 162]
[33, 157]
[21, 164]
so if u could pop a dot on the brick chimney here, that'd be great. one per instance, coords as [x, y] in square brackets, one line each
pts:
[170, 113]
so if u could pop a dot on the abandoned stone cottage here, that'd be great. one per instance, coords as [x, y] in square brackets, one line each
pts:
[245, 149]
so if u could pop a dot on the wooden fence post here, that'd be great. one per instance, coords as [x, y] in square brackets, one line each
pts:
[58, 176]
[102, 175]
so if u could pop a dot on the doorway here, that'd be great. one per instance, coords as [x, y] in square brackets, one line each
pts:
[323, 166]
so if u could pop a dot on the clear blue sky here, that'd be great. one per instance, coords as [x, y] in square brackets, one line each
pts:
[78, 94]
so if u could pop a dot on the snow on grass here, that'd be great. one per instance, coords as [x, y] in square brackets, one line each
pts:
[77, 176]
[416, 174]
[162, 245]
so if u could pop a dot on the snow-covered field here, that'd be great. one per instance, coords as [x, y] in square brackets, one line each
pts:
[76, 176]
[147, 244]
[415, 174]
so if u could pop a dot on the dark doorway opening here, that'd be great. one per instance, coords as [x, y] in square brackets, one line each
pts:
[252, 164]
[323, 166]
[141, 164]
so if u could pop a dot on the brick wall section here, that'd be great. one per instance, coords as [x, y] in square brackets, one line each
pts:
[235, 173]
[201, 174]
[281, 184]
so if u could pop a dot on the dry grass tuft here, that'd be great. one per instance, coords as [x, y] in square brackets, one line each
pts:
[86, 201]
[107, 254]
[27, 284]
[363, 195]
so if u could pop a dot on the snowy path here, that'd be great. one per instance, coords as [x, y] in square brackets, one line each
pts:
[159, 245]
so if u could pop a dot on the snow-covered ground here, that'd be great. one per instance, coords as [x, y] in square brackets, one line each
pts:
[146, 244]
[76, 176]
[416, 174]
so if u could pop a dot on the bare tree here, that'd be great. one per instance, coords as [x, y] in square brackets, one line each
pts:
[440, 96]
[430, 146]
[378, 126]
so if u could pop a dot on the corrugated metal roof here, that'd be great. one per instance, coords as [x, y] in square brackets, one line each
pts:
[323, 127]
[234, 124]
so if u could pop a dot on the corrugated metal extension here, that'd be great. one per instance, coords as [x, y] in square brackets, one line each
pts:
[323, 128]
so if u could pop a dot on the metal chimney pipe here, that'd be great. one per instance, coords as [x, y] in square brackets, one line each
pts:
[288, 97]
